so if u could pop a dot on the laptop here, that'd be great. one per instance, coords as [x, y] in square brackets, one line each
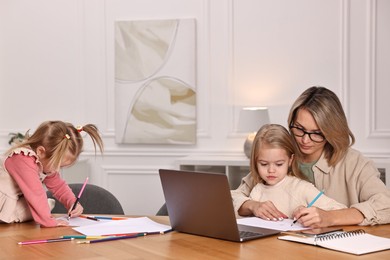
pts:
[200, 203]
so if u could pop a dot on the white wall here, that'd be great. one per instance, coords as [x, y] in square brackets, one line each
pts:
[57, 62]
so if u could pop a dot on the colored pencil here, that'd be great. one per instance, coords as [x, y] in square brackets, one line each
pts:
[89, 217]
[111, 238]
[315, 199]
[159, 232]
[109, 218]
[310, 204]
[120, 235]
[44, 241]
[78, 197]
[83, 237]
[146, 233]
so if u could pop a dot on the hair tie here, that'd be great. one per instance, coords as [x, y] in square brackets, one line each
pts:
[79, 128]
[67, 136]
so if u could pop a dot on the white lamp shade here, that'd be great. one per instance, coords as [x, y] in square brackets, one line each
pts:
[252, 118]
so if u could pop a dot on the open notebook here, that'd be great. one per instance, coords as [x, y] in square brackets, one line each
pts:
[354, 242]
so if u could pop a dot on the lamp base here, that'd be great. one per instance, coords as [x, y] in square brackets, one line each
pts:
[248, 144]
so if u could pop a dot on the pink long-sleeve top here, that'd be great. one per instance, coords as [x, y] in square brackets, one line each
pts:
[24, 167]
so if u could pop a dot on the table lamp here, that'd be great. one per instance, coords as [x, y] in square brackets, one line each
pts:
[250, 121]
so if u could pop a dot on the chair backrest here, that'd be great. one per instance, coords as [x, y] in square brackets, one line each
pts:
[163, 211]
[95, 200]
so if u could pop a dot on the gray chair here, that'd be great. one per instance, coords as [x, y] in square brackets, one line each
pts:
[94, 199]
[163, 211]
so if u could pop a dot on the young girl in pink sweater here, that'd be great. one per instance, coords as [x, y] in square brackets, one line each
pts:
[37, 160]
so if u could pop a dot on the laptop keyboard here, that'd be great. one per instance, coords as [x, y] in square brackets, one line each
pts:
[247, 234]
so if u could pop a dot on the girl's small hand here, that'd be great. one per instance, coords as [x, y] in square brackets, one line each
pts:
[62, 223]
[267, 210]
[77, 211]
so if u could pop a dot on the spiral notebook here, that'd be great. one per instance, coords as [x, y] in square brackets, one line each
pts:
[356, 242]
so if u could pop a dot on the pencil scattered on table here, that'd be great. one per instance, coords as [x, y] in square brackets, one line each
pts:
[108, 218]
[120, 235]
[111, 238]
[160, 232]
[83, 237]
[41, 241]
[89, 217]
[92, 239]
[126, 235]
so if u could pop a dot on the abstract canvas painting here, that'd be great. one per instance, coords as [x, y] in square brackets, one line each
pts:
[155, 95]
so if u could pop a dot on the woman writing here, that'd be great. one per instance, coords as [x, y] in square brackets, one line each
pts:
[320, 129]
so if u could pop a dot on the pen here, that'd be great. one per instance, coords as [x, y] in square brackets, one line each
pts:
[310, 204]
[89, 217]
[44, 241]
[111, 238]
[78, 197]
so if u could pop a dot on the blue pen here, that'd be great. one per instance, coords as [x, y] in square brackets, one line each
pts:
[310, 204]
[109, 218]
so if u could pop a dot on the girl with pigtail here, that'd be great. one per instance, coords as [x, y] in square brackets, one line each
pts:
[36, 160]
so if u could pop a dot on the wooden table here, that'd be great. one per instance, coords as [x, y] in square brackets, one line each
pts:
[173, 245]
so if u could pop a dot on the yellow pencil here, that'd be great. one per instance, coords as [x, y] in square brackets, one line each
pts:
[83, 237]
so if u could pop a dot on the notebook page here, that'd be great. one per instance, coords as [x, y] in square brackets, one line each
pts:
[358, 244]
[348, 242]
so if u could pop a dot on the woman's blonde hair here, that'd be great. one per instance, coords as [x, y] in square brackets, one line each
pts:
[273, 136]
[58, 138]
[327, 111]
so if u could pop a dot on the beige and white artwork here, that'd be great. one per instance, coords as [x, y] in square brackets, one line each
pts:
[155, 97]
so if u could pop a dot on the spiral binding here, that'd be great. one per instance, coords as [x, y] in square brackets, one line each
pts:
[339, 235]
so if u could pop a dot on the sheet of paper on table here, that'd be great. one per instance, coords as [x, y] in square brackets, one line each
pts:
[130, 225]
[284, 225]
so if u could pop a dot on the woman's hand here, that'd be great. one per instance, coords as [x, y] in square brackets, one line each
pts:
[313, 217]
[265, 210]
[77, 211]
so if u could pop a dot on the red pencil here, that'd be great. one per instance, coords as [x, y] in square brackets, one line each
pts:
[44, 241]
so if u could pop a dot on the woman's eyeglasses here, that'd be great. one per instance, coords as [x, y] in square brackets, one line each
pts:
[314, 136]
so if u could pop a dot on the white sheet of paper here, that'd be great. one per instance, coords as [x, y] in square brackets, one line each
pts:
[284, 225]
[130, 225]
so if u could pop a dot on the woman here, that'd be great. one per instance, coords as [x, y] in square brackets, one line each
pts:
[320, 129]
